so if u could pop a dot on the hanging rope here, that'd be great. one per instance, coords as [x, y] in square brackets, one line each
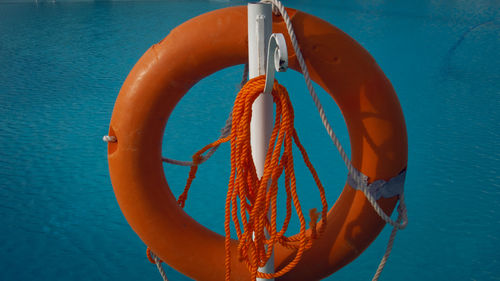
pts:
[360, 178]
[224, 132]
[257, 196]
[153, 258]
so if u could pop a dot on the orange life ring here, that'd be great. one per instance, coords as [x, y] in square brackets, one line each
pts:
[211, 42]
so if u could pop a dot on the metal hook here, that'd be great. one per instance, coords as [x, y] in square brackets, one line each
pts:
[277, 59]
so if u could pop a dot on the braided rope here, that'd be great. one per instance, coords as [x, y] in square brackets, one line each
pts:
[107, 138]
[310, 87]
[252, 194]
[225, 131]
[359, 177]
[154, 258]
[389, 247]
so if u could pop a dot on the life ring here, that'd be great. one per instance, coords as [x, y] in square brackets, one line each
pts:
[209, 43]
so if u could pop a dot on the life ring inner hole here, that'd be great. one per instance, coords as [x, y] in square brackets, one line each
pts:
[200, 115]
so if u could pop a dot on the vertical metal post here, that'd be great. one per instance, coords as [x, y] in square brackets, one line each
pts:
[260, 23]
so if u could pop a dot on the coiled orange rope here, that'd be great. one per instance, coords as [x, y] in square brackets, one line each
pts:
[257, 196]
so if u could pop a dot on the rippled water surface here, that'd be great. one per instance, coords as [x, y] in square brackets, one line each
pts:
[62, 65]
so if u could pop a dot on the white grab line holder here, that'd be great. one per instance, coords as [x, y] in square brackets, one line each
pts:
[267, 53]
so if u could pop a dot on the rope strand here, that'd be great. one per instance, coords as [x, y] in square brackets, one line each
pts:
[257, 196]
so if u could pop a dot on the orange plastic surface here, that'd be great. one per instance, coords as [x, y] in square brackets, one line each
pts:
[209, 43]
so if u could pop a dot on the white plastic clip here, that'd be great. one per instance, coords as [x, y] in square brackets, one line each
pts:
[277, 59]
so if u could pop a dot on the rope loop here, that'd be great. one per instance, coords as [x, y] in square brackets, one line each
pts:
[151, 256]
[257, 234]
[402, 212]
[402, 220]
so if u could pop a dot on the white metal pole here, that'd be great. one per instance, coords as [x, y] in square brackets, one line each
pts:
[260, 24]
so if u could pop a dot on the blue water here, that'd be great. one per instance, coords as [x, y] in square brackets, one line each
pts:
[62, 65]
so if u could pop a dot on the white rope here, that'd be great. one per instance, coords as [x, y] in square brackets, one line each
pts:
[224, 133]
[359, 177]
[309, 84]
[158, 265]
[390, 243]
[401, 210]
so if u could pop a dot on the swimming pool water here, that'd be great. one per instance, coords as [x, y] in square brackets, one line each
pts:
[62, 65]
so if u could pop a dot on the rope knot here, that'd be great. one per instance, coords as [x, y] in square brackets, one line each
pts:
[257, 196]
[197, 159]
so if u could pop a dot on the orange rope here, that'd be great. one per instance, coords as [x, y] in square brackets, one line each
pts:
[257, 196]
[150, 258]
